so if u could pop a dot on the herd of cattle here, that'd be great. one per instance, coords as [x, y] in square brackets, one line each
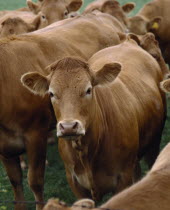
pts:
[99, 78]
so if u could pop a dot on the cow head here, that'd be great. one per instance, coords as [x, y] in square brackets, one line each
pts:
[78, 205]
[111, 7]
[17, 25]
[140, 25]
[55, 10]
[165, 84]
[71, 86]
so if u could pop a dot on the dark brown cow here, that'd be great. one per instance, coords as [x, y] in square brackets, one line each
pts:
[25, 119]
[111, 7]
[151, 193]
[54, 10]
[110, 114]
[154, 17]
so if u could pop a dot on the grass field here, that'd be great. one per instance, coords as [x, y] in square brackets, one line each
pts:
[55, 181]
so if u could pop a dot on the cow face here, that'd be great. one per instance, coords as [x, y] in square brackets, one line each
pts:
[71, 86]
[17, 26]
[111, 7]
[14, 26]
[140, 25]
[55, 10]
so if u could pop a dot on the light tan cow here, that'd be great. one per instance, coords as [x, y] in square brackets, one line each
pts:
[25, 119]
[54, 10]
[111, 7]
[17, 22]
[110, 113]
[151, 193]
[154, 17]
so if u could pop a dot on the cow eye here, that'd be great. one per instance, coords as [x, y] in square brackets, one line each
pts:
[51, 94]
[88, 92]
[65, 13]
[43, 16]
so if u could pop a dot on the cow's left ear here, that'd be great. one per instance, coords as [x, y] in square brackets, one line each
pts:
[154, 24]
[83, 204]
[128, 7]
[107, 73]
[35, 83]
[74, 5]
[165, 85]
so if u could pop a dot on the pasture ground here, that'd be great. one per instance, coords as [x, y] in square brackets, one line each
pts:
[55, 180]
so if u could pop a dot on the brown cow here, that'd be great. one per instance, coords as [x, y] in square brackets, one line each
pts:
[111, 7]
[154, 17]
[110, 114]
[25, 119]
[54, 10]
[151, 193]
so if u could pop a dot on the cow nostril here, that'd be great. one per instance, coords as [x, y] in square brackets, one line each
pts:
[61, 126]
[75, 125]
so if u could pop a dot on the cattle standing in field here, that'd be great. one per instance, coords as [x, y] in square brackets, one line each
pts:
[111, 7]
[151, 193]
[154, 17]
[25, 119]
[110, 114]
[54, 10]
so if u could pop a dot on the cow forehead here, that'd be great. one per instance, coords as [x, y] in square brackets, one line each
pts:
[71, 78]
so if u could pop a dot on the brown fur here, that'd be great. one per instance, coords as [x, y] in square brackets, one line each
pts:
[25, 119]
[111, 7]
[156, 11]
[54, 10]
[152, 192]
[92, 154]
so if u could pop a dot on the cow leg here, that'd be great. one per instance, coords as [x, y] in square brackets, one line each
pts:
[36, 151]
[14, 172]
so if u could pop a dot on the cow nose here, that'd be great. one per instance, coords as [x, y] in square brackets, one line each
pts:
[69, 128]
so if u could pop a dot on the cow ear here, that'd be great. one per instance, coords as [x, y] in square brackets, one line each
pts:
[35, 23]
[107, 74]
[128, 7]
[135, 37]
[109, 5]
[165, 85]
[154, 24]
[84, 204]
[35, 83]
[33, 6]
[75, 5]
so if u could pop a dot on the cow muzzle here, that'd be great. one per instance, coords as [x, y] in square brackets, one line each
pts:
[70, 129]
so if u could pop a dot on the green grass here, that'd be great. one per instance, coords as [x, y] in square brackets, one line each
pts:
[55, 180]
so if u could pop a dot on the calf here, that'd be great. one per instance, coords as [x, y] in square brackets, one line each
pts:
[110, 114]
[26, 119]
[150, 193]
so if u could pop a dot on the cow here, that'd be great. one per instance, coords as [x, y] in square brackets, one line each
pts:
[19, 23]
[111, 7]
[26, 119]
[150, 193]
[153, 17]
[151, 45]
[110, 114]
[54, 10]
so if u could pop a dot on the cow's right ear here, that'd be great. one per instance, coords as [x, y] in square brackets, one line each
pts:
[107, 74]
[128, 7]
[74, 5]
[33, 6]
[165, 85]
[35, 83]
